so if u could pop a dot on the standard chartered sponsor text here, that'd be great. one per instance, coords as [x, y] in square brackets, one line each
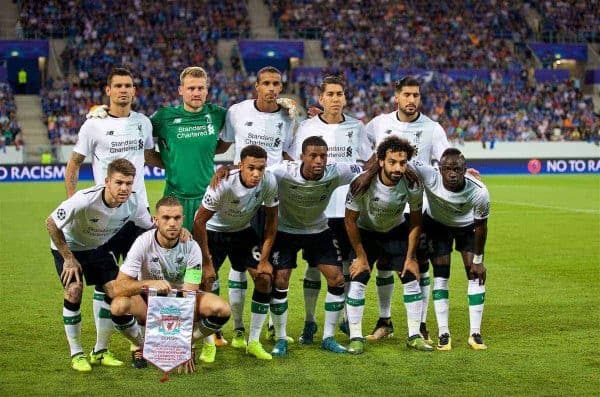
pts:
[193, 131]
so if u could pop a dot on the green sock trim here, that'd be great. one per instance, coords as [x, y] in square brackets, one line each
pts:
[440, 294]
[123, 327]
[312, 284]
[380, 281]
[279, 308]
[476, 299]
[259, 308]
[334, 306]
[104, 313]
[72, 320]
[425, 281]
[355, 302]
[237, 284]
[413, 298]
[98, 296]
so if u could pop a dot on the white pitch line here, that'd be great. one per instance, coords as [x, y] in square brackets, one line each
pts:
[550, 207]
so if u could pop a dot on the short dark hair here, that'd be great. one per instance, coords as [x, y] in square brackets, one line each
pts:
[122, 166]
[313, 141]
[394, 144]
[118, 71]
[268, 69]
[331, 80]
[451, 151]
[168, 201]
[253, 151]
[407, 81]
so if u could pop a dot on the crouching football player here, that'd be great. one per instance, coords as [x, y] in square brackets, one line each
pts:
[159, 260]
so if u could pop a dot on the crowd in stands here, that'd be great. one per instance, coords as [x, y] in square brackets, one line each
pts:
[569, 20]
[435, 35]
[10, 131]
[155, 40]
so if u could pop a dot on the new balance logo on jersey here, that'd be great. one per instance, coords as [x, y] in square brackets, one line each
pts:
[177, 121]
[94, 220]
[388, 132]
[110, 133]
[154, 259]
[235, 201]
[248, 124]
[179, 259]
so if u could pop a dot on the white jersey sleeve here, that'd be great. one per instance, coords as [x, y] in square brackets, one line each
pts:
[66, 211]
[347, 172]
[415, 199]
[288, 139]
[142, 217]
[353, 201]
[481, 204]
[85, 144]
[271, 197]
[365, 148]
[228, 133]
[212, 198]
[439, 143]
[148, 140]
[371, 139]
[426, 172]
[132, 266]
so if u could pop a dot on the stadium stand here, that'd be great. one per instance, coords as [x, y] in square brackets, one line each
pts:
[10, 131]
[156, 42]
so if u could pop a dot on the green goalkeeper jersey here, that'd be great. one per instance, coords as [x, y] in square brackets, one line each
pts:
[187, 143]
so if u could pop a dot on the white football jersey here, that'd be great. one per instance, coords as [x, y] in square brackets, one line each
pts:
[246, 125]
[454, 209]
[426, 135]
[235, 205]
[346, 143]
[381, 207]
[147, 260]
[87, 222]
[302, 203]
[111, 138]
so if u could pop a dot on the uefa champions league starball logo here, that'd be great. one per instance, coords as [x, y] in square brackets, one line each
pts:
[170, 321]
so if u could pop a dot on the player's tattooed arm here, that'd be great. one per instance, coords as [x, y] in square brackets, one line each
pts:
[361, 263]
[478, 270]
[71, 266]
[152, 158]
[72, 172]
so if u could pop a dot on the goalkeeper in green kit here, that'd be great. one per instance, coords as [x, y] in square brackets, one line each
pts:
[188, 139]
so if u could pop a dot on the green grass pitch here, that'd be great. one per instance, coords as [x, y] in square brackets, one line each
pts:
[541, 319]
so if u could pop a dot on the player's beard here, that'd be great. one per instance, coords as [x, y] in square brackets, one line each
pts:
[171, 234]
[393, 176]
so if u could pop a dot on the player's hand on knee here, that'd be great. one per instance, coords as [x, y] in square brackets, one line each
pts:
[411, 265]
[358, 266]
[478, 271]
[265, 267]
[97, 112]
[208, 276]
[71, 271]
